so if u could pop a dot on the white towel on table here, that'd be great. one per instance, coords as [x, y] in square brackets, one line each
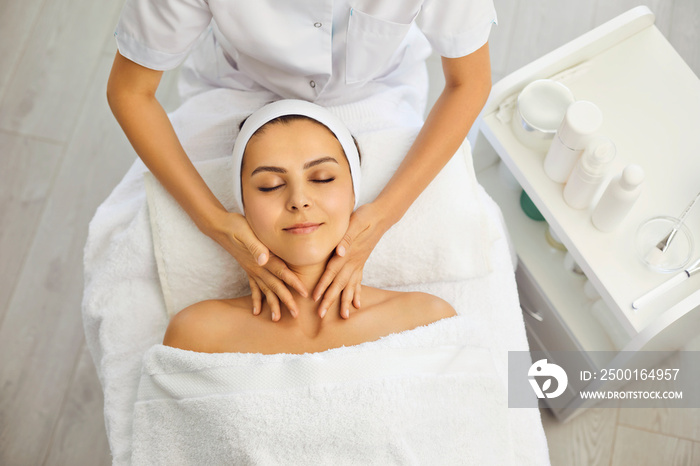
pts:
[417, 397]
[123, 307]
[120, 331]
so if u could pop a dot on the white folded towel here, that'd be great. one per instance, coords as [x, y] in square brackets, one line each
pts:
[417, 397]
[444, 236]
[123, 307]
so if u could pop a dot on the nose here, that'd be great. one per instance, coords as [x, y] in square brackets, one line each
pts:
[298, 200]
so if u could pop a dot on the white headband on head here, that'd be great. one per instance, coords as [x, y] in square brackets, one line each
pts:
[294, 107]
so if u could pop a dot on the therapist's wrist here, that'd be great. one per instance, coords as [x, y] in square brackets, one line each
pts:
[385, 215]
[213, 221]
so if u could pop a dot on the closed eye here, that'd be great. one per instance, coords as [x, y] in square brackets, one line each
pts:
[328, 180]
[267, 190]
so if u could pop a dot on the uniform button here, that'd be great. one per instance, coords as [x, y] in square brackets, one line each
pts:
[318, 25]
[312, 83]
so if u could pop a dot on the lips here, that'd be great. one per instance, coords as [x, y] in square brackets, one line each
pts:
[302, 228]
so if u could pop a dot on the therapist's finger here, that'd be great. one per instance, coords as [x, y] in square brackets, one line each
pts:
[256, 296]
[332, 268]
[271, 285]
[346, 301]
[350, 295]
[335, 289]
[356, 296]
[258, 250]
[358, 227]
[272, 301]
[355, 229]
[281, 271]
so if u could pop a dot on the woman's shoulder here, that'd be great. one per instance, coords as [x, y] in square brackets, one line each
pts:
[205, 325]
[414, 307]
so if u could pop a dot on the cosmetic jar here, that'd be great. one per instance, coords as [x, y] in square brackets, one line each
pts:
[553, 240]
[540, 108]
[530, 208]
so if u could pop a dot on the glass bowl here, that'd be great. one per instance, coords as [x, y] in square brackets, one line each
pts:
[678, 253]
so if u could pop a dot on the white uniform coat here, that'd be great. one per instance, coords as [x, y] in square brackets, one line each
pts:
[331, 52]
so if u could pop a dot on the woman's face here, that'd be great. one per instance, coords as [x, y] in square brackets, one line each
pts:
[297, 190]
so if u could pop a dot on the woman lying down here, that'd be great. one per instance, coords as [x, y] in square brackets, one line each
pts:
[393, 384]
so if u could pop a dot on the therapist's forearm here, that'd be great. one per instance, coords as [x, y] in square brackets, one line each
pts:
[442, 134]
[150, 132]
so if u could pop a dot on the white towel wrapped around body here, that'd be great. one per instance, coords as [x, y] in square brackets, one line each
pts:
[418, 397]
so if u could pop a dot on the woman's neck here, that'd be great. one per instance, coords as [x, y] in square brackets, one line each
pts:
[308, 308]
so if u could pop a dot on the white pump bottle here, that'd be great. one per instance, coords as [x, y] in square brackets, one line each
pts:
[619, 198]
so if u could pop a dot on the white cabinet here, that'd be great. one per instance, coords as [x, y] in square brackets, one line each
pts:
[651, 105]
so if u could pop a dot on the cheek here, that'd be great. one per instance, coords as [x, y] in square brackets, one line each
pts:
[339, 204]
[260, 214]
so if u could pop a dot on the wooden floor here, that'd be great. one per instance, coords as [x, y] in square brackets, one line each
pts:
[61, 153]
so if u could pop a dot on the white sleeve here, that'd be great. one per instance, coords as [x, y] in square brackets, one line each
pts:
[158, 34]
[456, 28]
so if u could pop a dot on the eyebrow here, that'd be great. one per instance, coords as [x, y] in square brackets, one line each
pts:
[307, 165]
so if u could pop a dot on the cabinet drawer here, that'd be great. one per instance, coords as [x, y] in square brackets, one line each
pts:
[549, 331]
[541, 316]
[538, 351]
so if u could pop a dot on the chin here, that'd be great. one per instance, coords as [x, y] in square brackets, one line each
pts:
[300, 258]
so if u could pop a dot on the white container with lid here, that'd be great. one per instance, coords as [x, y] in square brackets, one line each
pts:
[619, 198]
[589, 172]
[582, 120]
[539, 111]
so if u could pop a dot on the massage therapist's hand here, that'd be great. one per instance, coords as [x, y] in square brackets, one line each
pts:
[267, 274]
[343, 275]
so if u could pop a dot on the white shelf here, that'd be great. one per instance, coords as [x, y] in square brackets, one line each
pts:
[650, 100]
[564, 289]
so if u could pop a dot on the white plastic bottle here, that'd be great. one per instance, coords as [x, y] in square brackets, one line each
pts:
[589, 172]
[619, 198]
[581, 121]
